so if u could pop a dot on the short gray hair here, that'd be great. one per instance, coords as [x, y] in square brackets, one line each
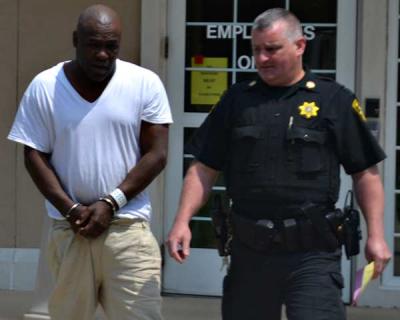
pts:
[266, 19]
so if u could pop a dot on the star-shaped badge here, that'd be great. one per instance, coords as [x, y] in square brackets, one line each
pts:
[308, 110]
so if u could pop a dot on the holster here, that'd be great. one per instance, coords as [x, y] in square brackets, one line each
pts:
[320, 225]
[258, 235]
[351, 231]
[222, 223]
[346, 226]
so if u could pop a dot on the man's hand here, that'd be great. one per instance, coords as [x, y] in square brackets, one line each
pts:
[197, 185]
[377, 250]
[370, 196]
[79, 217]
[178, 241]
[100, 216]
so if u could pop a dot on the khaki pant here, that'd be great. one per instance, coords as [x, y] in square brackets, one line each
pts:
[120, 270]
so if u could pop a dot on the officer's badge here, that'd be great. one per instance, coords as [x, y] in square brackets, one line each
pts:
[308, 110]
[310, 85]
[357, 108]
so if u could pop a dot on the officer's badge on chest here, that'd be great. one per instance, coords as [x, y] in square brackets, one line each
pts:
[308, 110]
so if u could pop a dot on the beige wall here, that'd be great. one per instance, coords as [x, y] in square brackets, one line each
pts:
[36, 35]
[8, 81]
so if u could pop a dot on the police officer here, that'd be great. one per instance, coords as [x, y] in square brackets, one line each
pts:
[279, 141]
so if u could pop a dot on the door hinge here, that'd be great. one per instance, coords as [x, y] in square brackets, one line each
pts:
[166, 47]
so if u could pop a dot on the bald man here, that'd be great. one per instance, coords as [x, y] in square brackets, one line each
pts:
[95, 133]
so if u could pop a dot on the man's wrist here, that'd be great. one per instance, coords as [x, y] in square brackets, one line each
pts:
[67, 215]
[184, 219]
[119, 197]
[110, 203]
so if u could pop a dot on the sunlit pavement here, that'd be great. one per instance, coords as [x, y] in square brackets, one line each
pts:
[180, 307]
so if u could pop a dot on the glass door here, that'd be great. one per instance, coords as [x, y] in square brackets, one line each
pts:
[209, 51]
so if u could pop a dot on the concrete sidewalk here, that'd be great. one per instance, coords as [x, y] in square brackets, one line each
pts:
[179, 307]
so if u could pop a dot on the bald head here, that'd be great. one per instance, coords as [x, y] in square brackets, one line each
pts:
[97, 41]
[97, 15]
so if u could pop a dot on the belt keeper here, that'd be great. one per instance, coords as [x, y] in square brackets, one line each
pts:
[73, 207]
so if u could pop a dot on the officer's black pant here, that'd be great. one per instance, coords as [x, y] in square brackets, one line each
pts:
[257, 284]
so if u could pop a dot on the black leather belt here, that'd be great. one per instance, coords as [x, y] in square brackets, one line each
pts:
[290, 234]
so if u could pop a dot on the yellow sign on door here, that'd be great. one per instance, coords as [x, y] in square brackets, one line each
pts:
[208, 86]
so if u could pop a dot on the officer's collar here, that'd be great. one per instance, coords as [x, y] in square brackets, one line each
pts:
[308, 83]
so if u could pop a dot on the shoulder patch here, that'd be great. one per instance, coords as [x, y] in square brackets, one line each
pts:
[357, 108]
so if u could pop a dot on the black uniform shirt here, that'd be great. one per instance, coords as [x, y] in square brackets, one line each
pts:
[256, 110]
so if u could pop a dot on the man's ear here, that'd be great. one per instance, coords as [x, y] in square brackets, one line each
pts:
[300, 45]
[75, 38]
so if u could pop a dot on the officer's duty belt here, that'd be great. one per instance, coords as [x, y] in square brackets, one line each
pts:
[295, 234]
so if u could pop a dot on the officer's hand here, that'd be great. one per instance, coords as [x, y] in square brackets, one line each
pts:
[377, 250]
[100, 218]
[79, 217]
[178, 241]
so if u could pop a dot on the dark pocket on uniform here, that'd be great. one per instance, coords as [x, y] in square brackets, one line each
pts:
[306, 149]
[247, 150]
[337, 279]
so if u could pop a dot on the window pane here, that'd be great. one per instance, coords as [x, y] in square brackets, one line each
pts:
[397, 169]
[203, 42]
[188, 134]
[321, 49]
[398, 127]
[322, 11]
[209, 10]
[399, 44]
[397, 214]
[203, 235]
[398, 82]
[249, 10]
[396, 259]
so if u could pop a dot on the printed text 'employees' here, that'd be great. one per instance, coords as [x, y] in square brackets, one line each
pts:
[233, 31]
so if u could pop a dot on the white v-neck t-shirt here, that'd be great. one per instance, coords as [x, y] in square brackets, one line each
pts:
[93, 145]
